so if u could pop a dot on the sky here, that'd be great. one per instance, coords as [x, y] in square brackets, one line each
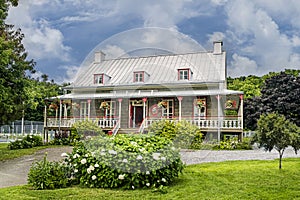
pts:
[259, 36]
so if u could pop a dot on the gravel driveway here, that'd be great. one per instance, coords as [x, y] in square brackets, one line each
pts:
[14, 172]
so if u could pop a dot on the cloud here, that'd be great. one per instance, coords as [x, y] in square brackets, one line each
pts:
[70, 75]
[41, 40]
[260, 37]
[242, 66]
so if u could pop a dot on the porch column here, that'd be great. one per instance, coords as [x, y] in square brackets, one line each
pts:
[60, 114]
[120, 106]
[89, 108]
[65, 111]
[45, 123]
[179, 99]
[242, 114]
[219, 118]
[144, 109]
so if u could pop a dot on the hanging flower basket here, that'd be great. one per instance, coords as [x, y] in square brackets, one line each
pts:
[162, 104]
[200, 103]
[53, 106]
[230, 104]
[104, 105]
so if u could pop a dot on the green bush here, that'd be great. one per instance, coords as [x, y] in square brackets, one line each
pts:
[83, 129]
[182, 133]
[233, 143]
[27, 142]
[127, 161]
[48, 175]
[245, 144]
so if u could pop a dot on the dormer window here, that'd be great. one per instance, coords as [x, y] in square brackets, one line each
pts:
[98, 79]
[138, 77]
[184, 74]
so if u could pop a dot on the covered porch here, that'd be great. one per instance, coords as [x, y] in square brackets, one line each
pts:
[216, 111]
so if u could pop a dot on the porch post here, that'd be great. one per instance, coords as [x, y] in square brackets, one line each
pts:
[89, 108]
[45, 123]
[65, 111]
[60, 113]
[179, 99]
[120, 106]
[219, 118]
[242, 114]
[144, 109]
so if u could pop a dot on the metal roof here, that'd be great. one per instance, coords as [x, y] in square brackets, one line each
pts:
[205, 67]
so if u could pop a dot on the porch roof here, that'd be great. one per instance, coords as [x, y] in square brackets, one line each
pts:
[150, 93]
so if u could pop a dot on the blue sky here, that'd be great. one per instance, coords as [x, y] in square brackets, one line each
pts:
[259, 35]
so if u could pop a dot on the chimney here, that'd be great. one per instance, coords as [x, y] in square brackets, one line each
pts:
[218, 47]
[99, 56]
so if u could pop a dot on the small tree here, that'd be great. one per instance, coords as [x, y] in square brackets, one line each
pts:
[275, 131]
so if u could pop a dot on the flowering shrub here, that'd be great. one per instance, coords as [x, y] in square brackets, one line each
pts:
[27, 142]
[228, 144]
[48, 175]
[128, 161]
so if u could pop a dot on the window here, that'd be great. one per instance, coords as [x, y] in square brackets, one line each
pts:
[138, 77]
[98, 79]
[200, 108]
[183, 74]
[168, 110]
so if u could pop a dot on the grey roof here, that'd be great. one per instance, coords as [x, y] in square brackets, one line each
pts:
[205, 67]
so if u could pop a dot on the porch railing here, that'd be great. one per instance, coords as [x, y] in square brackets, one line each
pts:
[103, 123]
[205, 123]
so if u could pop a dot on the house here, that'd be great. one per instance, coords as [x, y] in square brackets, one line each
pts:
[129, 94]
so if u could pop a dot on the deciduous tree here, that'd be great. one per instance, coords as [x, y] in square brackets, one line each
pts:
[14, 67]
[274, 131]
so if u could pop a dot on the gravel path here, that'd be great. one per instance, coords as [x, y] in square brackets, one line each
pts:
[202, 156]
[14, 172]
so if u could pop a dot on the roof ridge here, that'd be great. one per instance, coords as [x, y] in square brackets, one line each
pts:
[160, 55]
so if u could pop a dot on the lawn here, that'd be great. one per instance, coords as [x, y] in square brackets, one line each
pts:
[225, 180]
[5, 153]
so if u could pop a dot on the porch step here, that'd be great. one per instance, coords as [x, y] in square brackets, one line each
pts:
[128, 130]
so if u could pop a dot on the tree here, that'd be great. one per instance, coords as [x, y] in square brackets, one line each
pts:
[279, 93]
[274, 131]
[37, 91]
[14, 68]
[250, 85]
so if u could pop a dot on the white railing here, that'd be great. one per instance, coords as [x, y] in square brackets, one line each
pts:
[116, 129]
[142, 127]
[205, 123]
[103, 123]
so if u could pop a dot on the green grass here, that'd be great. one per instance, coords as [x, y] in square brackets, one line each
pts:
[6, 154]
[225, 180]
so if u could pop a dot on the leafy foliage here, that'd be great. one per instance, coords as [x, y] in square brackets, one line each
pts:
[27, 142]
[37, 91]
[250, 85]
[228, 144]
[274, 131]
[128, 161]
[13, 68]
[182, 133]
[280, 93]
[48, 175]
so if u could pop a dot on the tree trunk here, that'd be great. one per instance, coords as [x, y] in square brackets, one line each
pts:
[280, 159]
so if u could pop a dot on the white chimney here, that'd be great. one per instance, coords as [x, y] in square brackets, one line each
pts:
[99, 56]
[218, 47]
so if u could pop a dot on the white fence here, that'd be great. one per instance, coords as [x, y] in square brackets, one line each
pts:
[14, 130]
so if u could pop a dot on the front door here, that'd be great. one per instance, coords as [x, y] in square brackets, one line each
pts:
[136, 114]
